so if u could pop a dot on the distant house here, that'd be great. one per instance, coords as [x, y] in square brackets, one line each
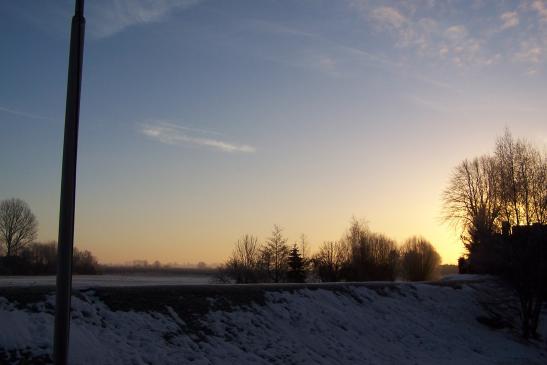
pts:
[536, 231]
[501, 251]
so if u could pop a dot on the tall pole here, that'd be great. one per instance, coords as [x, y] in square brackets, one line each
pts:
[68, 188]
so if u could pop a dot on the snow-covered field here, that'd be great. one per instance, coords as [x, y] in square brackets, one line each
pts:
[453, 322]
[94, 281]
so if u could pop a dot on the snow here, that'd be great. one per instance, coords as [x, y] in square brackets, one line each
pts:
[94, 281]
[336, 324]
[463, 277]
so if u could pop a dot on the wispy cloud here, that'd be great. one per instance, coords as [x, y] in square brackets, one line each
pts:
[333, 56]
[24, 114]
[529, 53]
[456, 32]
[510, 19]
[428, 37]
[108, 17]
[440, 31]
[317, 52]
[541, 8]
[169, 133]
[388, 16]
[408, 32]
[277, 28]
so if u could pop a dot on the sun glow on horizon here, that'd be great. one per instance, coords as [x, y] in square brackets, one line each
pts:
[202, 121]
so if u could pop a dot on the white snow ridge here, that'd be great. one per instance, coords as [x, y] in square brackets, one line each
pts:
[371, 323]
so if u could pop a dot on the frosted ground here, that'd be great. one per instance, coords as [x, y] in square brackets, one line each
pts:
[452, 322]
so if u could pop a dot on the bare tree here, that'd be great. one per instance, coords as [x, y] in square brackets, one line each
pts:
[275, 254]
[84, 262]
[471, 200]
[18, 225]
[508, 188]
[242, 266]
[418, 259]
[539, 187]
[356, 232]
[42, 257]
[304, 247]
[506, 156]
[373, 256]
[330, 261]
[523, 184]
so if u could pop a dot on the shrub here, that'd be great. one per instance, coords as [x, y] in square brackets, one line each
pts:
[84, 262]
[418, 259]
[373, 256]
[41, 259]
[243, 265]
[329, 262]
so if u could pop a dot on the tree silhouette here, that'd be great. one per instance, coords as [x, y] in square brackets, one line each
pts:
[242, 266]
[471, 200]
[274, 255]
[296, 272]
[373, 256]
[418, 259]
[18, 225]
[506, 186]
[330, 260]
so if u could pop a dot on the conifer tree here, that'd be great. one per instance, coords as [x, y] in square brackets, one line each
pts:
[296, 272]
[274, 255]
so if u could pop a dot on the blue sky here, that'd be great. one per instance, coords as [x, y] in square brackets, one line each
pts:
[205, 120]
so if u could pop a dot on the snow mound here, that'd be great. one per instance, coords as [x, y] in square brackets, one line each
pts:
[397, 323]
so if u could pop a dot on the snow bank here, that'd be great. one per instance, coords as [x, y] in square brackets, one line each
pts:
[318, 324]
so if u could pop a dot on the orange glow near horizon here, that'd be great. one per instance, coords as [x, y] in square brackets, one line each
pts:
[207, 120]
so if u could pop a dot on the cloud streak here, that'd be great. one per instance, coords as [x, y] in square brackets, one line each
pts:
[173, 134]
[20, 113]
[334, 54]
[108, 17]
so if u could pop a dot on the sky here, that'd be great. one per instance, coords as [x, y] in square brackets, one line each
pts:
[204, 120]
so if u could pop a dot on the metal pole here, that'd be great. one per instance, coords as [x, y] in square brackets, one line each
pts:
[68, 188]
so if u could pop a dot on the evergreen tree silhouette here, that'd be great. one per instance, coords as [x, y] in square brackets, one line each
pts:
[296, 272]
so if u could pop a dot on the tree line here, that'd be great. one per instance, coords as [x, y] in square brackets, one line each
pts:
[508, 187]
[21, 255]
[360, 255]
[499, 202]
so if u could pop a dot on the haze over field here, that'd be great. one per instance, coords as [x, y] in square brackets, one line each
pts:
[204, 120]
